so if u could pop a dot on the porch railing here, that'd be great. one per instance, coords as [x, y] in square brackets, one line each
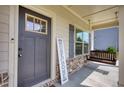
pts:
[102, 56]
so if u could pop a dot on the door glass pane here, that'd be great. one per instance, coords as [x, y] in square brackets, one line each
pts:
[43, 26]
[79, 48]
[29, 23]
[37, 25]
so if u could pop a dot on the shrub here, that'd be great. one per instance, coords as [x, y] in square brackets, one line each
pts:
[111, 50]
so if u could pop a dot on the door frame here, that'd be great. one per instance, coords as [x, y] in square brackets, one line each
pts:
[13, 42]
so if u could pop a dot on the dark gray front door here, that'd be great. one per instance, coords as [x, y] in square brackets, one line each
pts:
[34, 47]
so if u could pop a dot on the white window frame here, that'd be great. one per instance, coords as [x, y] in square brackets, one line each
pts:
[88, 45]
[34, 17]
[82, 44]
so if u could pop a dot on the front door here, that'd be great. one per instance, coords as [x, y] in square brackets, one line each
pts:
[34, 47]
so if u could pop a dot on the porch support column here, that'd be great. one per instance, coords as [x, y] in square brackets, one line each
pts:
[121, 45]
[92, 40]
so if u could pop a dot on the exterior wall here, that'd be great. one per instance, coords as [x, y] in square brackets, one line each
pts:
[104, 38]
[8, 43]
[4, 38]
[121, 45]
[63, 19]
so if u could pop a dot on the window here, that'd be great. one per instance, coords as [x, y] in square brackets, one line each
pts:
[79, 42]
[86, 41]
[79, 48]
[35, 24]
[82, 42]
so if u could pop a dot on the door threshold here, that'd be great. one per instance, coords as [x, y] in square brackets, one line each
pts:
[42, 83]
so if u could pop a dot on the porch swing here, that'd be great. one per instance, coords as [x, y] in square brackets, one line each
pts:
[103, 55]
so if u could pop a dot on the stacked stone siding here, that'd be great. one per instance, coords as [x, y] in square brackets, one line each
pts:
[73, 65]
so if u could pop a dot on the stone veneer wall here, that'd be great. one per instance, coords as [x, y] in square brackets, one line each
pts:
[73, 65]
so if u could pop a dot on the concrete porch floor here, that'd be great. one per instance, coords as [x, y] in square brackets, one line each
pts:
[93, 74]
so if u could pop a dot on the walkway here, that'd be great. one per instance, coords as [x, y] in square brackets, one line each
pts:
[94, 74]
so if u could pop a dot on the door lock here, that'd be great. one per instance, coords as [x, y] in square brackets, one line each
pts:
[20, 55]
[20, 49]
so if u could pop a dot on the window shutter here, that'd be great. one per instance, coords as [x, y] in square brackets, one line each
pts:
[71, 41]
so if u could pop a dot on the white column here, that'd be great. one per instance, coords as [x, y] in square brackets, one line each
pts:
[121, 45]
[92, 40]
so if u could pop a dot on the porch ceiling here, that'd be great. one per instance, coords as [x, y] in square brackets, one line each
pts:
[97, 14]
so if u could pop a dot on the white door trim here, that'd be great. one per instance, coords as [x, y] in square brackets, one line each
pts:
[13, 45]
